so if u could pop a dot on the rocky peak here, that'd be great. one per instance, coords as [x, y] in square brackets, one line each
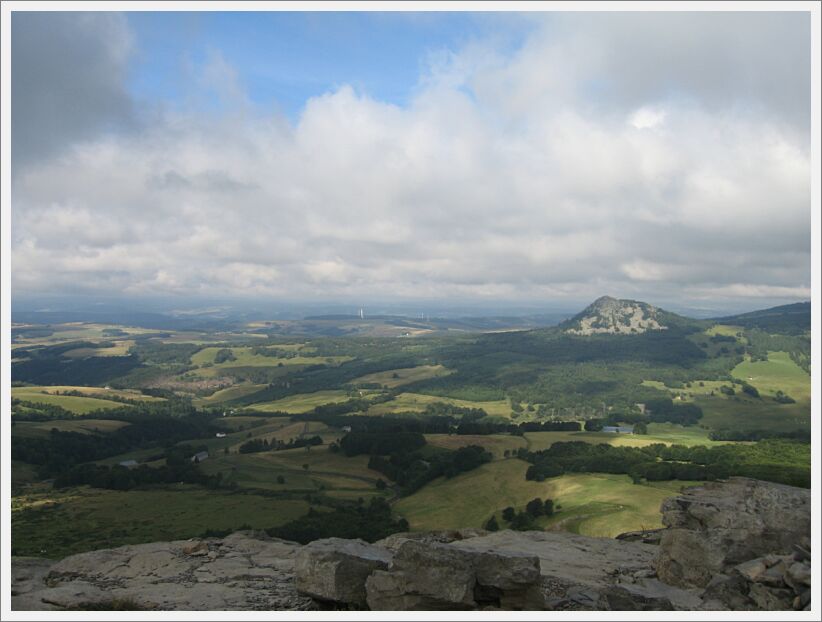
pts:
[607, 315]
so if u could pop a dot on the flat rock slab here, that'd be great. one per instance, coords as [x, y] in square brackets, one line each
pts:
[580, 560]
[245, 571]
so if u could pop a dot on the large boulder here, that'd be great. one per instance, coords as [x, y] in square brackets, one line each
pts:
[716, 526]
[334, 569]
[428, 576]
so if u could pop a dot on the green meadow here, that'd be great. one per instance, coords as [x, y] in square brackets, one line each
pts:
[591, 504]
[416, 402]
[778, 373]
[72, 403]
[55, 524]
[301, 402]
[393, 378]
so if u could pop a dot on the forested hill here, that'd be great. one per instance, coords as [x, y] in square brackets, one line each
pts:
[789, 319]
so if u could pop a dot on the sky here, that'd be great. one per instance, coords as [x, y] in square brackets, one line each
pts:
[545, 157]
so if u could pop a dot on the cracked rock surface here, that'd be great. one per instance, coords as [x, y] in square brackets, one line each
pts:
[246, 571]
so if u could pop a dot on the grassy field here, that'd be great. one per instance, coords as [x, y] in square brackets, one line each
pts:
[302, 402]
[245, 358]
[84, 426]
[56, 524]
[606, 505]
[726, 330]
[120, 348]
[78, 331]
[398, 377]
[332, 473]
[496, 444]
[778, 373]
[416, 402]
[226, 395]
[741, 412]
[667, 433]
[98, 392]
[72, 403]
[599, 505]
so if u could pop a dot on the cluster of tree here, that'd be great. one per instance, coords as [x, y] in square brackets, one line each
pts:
[411, 470]
[178, 468]
[25, 410]
[759, 435]
[274, 352]
[224, 355]
[790, 319]
[154, 352]
[797, 345]
[381, 443]
[664, 410]
[47, 365]
[523, 520]
[782, 461]
[369, 522]
[435, 424]
[783, 398]
[257, 445]
[60, 451]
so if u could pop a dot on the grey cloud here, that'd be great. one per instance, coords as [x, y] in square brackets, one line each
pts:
[67, 80]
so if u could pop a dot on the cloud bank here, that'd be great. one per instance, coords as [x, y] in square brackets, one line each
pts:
[659, 156]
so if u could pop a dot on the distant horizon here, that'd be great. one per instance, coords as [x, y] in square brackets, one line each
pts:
[194, 307]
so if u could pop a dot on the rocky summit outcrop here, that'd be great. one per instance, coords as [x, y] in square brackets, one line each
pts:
[745, 541]
[613, 316]
[735, 545]
[714, 527]
[244, 571]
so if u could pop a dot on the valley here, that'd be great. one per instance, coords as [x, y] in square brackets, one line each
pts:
[307, 432]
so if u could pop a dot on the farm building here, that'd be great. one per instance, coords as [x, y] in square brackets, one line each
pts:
[129, 464]
[199, 457]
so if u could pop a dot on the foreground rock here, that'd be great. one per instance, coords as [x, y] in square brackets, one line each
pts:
[244, 571]
[736, 545]
[437, 576]
[714, 527]
[335, 569]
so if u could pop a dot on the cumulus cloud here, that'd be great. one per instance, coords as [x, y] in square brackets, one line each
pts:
[642, 155]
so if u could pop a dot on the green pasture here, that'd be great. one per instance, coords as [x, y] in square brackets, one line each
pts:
[301, 402]
[226, 395]
[778, 373]
[667, 433]
[60, 523]
[120, 348]
[591, 504]
[72, 403]
[245, 358]
[393, 378]
[83, 426]
[416, 402]
[725, 330]
[496, 444]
